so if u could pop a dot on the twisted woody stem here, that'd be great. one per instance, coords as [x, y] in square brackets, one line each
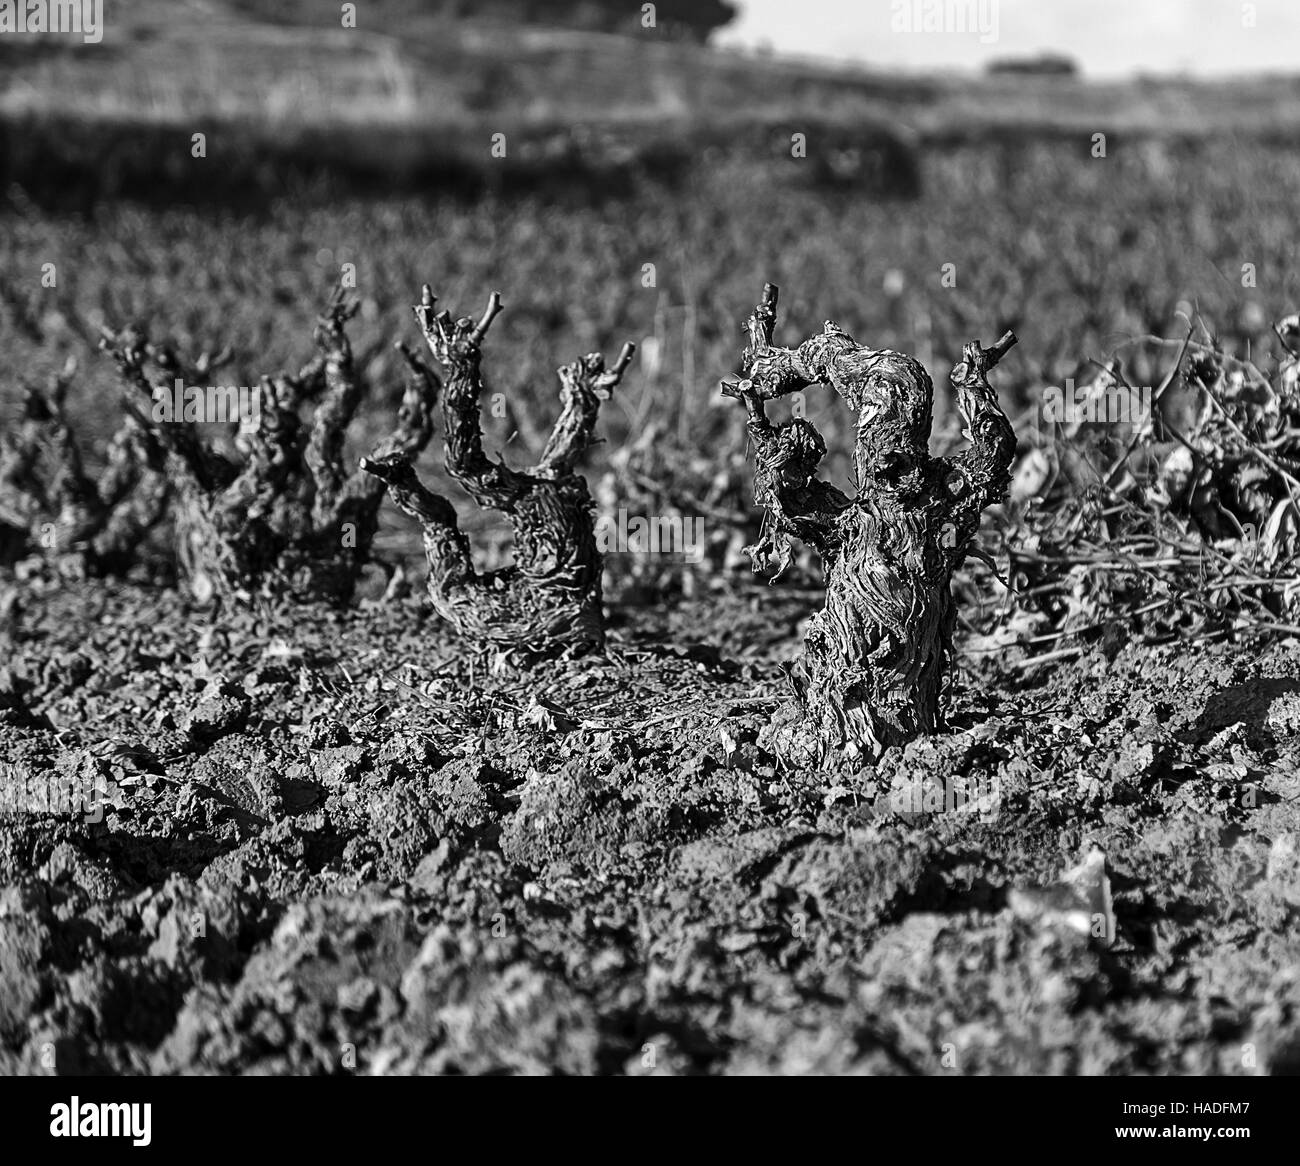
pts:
[876, 656]
[283, 514]
[549, 599]
[52, 506]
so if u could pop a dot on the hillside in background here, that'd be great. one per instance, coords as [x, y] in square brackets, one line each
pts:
[419, 97]
[415, 64]
[681, 19]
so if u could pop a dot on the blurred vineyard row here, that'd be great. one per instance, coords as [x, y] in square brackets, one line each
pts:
[1082, 256]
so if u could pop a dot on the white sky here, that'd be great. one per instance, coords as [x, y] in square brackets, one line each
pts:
[1108, 38]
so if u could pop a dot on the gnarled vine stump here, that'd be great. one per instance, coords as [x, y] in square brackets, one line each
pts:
[53, 507]
[876, 656]
[549, 599]
[285, 518]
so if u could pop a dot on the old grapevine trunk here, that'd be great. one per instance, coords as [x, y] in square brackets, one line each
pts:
[283, 516]
[549, 599]
[52, 506]
[876, 656]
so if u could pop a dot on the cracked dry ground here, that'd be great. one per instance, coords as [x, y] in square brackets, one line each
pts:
[335, 844]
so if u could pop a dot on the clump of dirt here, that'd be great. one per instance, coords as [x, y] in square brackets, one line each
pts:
[328, 841]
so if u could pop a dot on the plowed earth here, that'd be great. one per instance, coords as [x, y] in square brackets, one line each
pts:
[311, 841]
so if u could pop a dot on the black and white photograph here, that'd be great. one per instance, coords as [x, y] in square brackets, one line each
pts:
[586, 538]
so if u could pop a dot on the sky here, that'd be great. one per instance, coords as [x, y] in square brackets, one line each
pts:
[1108, 38]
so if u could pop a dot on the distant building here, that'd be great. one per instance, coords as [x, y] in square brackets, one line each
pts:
[1043, 65]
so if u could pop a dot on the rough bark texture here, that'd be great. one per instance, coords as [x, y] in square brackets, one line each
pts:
[876, 656]
[549, 599]
[52, 507]
[284, 518]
